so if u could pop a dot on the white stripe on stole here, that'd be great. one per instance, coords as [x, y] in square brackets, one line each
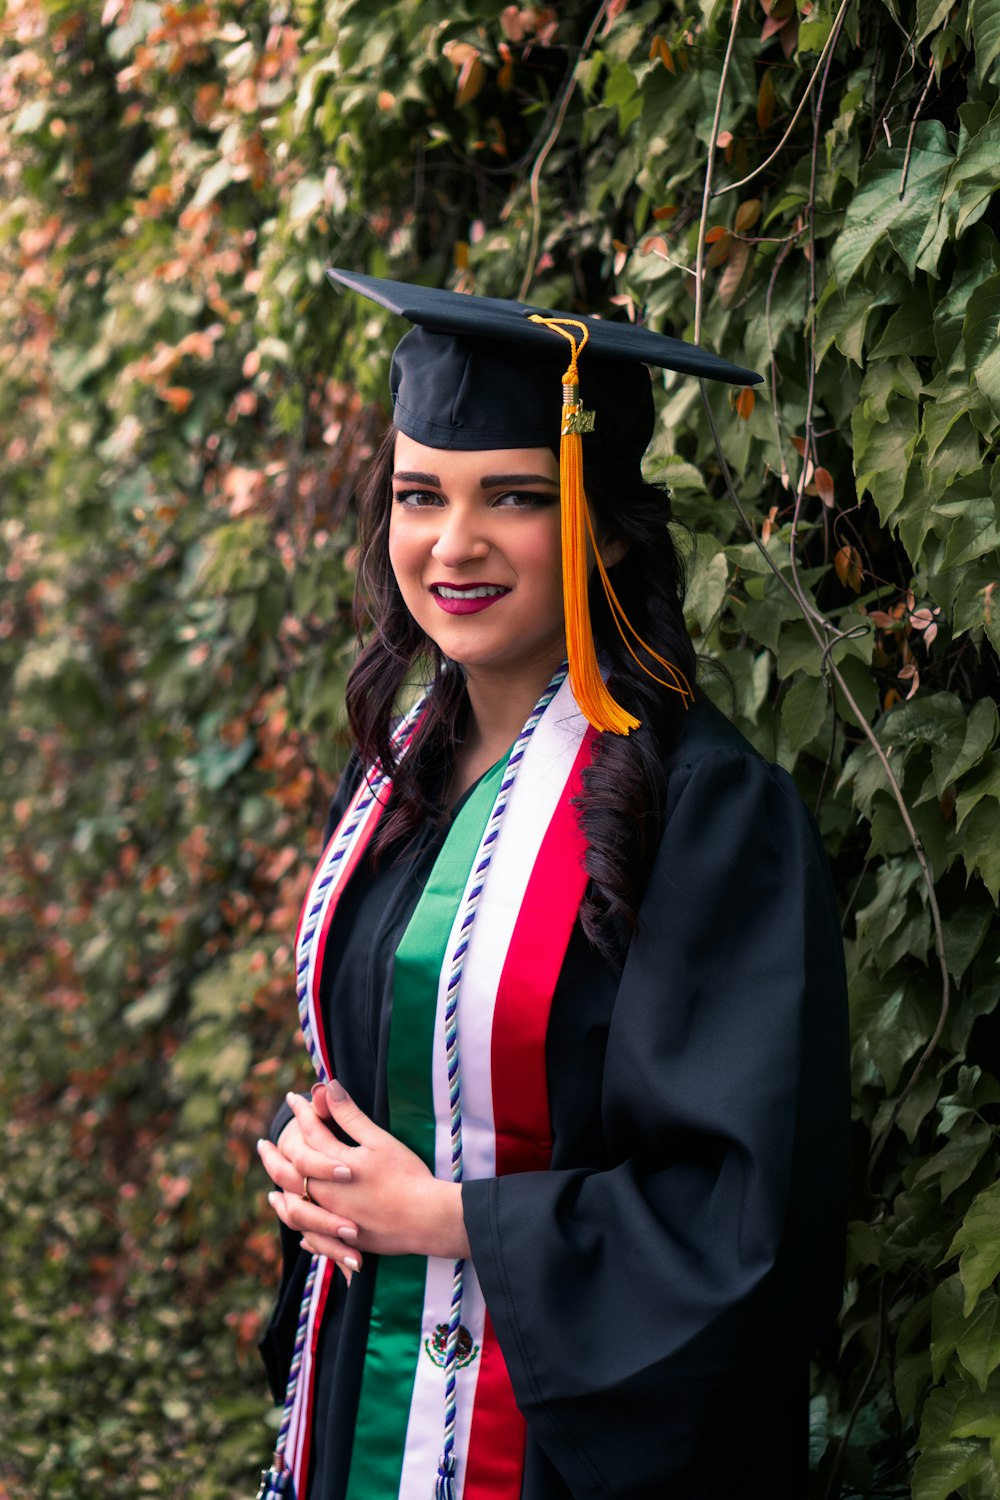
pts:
[536, 794]
[296, 1431]
[315, 954]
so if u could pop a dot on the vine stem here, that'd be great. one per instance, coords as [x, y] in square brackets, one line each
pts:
[827, 51]
[706, 197]
[534, 180]
[824, 632]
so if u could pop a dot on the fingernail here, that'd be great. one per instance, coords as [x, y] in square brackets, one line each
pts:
[346, 1275]
[342, 1174]
[292, 1099]
[260, 1145]
[272, 1198]
[317, 1088]
[347, 1233]
[349, 1260]
[337, 1092]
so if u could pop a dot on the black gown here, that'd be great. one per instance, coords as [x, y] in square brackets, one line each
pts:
[658, 1291]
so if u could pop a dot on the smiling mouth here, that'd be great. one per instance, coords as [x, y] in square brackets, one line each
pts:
[467, 599]
[468, 591]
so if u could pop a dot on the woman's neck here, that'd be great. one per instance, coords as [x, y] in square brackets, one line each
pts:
[499, 706]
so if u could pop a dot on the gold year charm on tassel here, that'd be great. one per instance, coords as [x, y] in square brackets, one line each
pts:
[577, 421]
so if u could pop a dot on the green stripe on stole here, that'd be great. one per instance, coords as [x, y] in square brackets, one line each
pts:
[394, 1332]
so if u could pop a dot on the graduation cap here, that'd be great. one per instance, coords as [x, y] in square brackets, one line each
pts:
[478, 373]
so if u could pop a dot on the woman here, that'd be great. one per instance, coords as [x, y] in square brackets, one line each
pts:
[563, 1215]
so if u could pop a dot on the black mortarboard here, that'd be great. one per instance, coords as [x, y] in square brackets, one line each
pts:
[477, 373]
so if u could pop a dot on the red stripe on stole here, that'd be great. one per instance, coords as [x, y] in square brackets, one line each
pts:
[301, 1475]
[538, 945]
[371, 817]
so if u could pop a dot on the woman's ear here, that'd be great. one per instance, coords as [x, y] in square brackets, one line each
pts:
[613, 549]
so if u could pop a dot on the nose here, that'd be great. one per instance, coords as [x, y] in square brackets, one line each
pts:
[460, 538]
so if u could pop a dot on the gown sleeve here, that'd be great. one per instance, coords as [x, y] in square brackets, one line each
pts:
[657, 1313]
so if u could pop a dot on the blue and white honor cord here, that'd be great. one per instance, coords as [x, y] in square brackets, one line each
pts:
[444, 1488]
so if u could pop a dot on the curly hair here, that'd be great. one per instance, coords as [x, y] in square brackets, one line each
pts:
[621, 806]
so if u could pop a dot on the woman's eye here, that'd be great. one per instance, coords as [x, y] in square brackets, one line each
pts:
[417, 498]
[525, 499]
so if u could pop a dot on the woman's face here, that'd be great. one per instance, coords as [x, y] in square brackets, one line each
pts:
[474, 543]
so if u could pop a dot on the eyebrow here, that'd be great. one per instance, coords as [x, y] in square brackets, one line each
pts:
[488, 481]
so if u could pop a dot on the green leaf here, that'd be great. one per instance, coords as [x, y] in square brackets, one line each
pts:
[956, 1162]
[964, 934]
[980, 734]
[798, 651]
[981, 847]
[708, 574]
[930, 15]
[984, 16]
[803, 710]
[982, 321]
[217, 177]
[882, 452]
[910, 330]
[979, 1352]
[877, 211]
[985, 783]
[939, 1471]
[896, 1033]
[974, 531]
[948, 1322]
[978, 1243]
[972, 180]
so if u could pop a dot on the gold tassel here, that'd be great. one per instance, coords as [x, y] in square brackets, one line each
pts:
[589, 689]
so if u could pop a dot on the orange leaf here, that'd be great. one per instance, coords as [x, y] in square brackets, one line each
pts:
[733, 276]
[823, 480]
[799, 444]
[513, 24]
[720, 251]
[666, 212]
[765, 101]
[461, 255]
[847, 565]
[724, 139]
[716, 233]
[745, 402]
[177, 397]
[654, 244]
[881, 619]
[470, 81]
[747, 215]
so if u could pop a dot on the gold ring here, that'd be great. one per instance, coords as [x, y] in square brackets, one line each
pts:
[305, 1190]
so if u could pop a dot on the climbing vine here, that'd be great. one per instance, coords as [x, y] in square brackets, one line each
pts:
[811, 188]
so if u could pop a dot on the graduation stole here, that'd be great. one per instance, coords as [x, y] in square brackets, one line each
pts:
[477, 965]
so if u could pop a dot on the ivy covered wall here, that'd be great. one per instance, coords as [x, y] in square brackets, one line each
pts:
[810, 188]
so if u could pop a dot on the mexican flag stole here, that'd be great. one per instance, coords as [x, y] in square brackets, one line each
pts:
[518, 942]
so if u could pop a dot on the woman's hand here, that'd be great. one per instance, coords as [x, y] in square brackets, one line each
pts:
[377, 1195]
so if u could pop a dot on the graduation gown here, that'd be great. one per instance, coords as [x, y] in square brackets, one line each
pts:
[657, 1292]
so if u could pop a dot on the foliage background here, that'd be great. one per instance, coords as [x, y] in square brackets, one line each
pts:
[185, 406]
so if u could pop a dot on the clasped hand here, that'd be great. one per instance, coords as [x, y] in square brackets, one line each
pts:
[376, 1195]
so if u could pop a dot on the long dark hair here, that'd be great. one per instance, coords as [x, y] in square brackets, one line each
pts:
[621, 809]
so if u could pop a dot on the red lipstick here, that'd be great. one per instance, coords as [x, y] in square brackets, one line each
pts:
[466, 598]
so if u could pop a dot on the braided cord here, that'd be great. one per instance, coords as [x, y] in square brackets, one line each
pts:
[274, 1480]
[445, 1486]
